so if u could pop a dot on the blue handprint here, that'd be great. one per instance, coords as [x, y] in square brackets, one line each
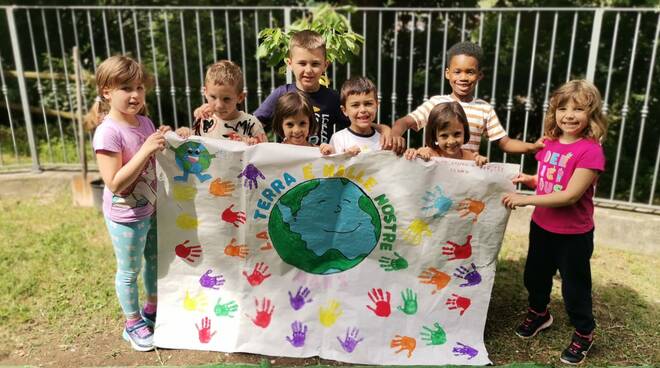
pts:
[471, 276]
[302, 296]
[437, 203]
[251, 174]
[462, 349]
[351, 340]
[299, 333]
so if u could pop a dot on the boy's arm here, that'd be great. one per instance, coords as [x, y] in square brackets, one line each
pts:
[400, 126]
[389, 141]
[577, 185]
[264, 113]
[510, 145]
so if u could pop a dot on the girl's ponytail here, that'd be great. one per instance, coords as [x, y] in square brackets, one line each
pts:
[96, 113]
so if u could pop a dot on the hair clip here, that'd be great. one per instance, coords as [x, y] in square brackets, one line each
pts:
[98, 99]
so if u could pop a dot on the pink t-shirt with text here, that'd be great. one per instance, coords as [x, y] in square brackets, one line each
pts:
[557, 162]
[139, 200]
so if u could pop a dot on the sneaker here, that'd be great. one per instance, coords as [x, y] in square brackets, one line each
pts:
[577, 351]
[149, 318]
[140, 335]
[534, 323]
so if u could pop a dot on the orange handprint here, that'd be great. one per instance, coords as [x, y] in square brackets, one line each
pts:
[433, 276]
[470, 206]
[404, 343]
[221, 188]
[236, 250]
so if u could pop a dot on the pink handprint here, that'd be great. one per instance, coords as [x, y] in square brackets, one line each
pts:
[262, 319]
[258, 274]
[233, 217]
[381, 301]
[204, 333]
[458, 251]
[458, 302]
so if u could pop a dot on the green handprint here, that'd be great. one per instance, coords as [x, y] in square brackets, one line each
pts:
[434, 337]
[225, 310]
[393, 264]
[409, 302]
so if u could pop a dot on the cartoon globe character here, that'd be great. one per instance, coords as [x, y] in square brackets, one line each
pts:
[192, 157]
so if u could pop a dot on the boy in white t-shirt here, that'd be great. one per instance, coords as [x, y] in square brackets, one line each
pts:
[360, 104]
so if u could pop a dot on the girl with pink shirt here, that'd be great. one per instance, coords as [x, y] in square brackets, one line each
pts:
[125, 143]
[562, 226]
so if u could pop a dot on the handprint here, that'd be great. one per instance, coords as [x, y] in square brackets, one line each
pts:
[258, 274]
[434, 337]
[225, 310]
[404, 343]
[351, 340]
[409, 302]
[302, 296]
[251, 174]
[262, 319]
[437, 203]
[472, 277]
[416, 231]
[298, 334]
[393, 264]
[182, 192]
[458, 302]
[190, 253]
[221, 188]
[458, 251]
[470, 206]
[264, 236]
[462, 349]
[433, 276]
[211, 282]
[381, 301]
[328, 316]
[186, 222]
[198, 303]
[236, 250]
[204, 333]
[233, 217]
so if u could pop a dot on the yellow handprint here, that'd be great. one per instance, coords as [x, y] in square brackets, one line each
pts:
[417, 229]
[328, 316]
[186, 222]
[184, 192]
[198, 303]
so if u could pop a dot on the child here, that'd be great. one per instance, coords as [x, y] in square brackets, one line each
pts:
[219, 118]
[359, 103]
[446, 133]
[562, 226]
[293, 119]
[463, 73]
[125, 143]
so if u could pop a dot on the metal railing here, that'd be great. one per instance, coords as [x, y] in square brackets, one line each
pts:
[529, 51]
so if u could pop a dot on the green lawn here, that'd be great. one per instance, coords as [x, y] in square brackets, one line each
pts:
[58, 305]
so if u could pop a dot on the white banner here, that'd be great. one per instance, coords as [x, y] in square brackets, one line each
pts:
[273, 249]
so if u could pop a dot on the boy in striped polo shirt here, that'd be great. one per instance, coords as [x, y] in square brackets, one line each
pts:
[463, 73]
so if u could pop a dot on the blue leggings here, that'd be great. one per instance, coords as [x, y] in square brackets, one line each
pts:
[130, 241]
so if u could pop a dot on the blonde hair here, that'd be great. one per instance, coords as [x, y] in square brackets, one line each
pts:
[585, 94]
[113, 72]
[308, 40]
[225, 72]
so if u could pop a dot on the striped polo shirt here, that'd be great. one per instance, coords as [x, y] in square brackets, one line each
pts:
[480, 114]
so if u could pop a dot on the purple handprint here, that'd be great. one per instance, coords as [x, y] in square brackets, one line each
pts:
[251, 173]
[471, 276]
[462, 349]
[302, 296]
[299, 332]
[211, 282]
[351, 340]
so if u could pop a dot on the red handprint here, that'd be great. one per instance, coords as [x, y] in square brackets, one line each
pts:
[204, 333]
[382, 302]
[188, 253]
[262, 319]
[233, 217]
[258, 274]
[458, 302]
[458, 251]
[264, 236]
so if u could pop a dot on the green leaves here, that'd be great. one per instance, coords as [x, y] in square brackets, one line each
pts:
[341, 41]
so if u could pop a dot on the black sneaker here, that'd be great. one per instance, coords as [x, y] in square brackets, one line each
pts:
[534, 323]
[577, 351]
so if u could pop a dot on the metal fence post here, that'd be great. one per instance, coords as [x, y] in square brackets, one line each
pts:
[287, 26]
[593, 45]
[22, 88]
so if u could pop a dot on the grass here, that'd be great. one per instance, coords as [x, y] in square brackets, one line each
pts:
[57, 296]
